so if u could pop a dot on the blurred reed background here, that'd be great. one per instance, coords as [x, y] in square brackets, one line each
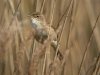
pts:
[77, 24]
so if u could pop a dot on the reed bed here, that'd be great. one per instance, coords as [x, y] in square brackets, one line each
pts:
[76, 25]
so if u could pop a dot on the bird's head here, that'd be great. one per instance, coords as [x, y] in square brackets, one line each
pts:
[39, 16]
[37, 21]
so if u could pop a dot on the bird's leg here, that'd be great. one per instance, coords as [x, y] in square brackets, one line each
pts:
[59, 54]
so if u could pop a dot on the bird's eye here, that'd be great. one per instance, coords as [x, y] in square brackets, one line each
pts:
[37, 16]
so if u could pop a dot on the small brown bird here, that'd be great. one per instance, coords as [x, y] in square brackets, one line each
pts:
[43, 31]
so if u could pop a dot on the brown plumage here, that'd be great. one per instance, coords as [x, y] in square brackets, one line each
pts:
[43, 31]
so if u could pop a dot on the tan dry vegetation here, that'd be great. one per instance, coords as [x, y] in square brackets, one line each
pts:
[77, 25]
